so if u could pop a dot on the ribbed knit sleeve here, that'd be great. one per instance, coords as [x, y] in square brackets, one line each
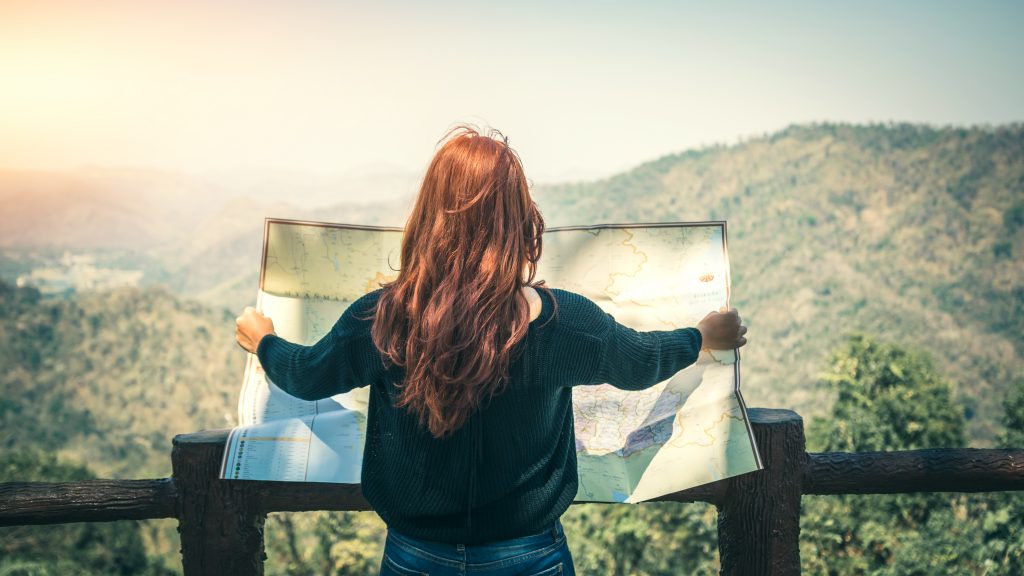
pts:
[634, 360]
[343, 359]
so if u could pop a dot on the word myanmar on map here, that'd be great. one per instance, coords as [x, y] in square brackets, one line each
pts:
[631, 445]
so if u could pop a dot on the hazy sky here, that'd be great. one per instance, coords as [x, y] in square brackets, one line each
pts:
[582, 89]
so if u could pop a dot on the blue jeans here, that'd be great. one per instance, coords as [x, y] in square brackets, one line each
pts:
[543, 554]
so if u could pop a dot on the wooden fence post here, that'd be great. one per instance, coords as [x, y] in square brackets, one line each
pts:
[220, 522]
[759, 513]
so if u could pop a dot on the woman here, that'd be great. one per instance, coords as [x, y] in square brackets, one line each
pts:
[470, 453]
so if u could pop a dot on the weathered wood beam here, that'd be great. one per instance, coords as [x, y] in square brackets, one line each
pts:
[220, 521]
[759, 512]
[928, 470]
[24, 503]
[305, 497]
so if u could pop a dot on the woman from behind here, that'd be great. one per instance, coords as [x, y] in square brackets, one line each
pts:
[470, 455]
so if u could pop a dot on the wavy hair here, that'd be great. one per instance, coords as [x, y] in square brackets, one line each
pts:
[454, 316]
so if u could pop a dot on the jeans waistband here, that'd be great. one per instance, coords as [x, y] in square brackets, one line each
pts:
[549, 534]
[485, 556]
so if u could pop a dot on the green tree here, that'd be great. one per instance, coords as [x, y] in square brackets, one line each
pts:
[891, 398]
[328, 543]
[655, 538]
[1003, 520]
[888, 398]
[1013, 418]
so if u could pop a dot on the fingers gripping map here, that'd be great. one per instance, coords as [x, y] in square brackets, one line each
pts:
[631, 445]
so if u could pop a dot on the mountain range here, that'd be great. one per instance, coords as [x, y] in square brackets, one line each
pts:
[909, 232]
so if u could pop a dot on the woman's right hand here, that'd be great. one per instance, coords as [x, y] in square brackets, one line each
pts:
[722, 330]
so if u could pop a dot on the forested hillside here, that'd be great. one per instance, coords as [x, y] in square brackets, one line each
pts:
[910, 232]
[110, 377]
[97, 386]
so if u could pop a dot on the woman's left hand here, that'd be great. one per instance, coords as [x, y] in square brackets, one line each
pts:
[251, 327]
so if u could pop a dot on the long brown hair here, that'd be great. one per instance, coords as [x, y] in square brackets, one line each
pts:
[455, 315]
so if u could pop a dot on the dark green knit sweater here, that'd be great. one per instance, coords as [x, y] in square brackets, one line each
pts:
[511, 470]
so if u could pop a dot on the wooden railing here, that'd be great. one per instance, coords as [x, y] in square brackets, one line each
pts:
[221, 521]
